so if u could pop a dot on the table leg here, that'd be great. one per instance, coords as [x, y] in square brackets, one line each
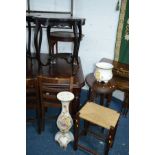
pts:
[76, 43]
[91, 95]
[102, 99]
[49, 41]
[37, 44]
[76, 102]
[109, 98]
[29, 39]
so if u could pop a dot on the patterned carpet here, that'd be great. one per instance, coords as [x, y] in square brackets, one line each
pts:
[45, 144]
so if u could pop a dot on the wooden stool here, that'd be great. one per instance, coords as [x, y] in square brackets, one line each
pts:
[100, 88]
[63, 36]
[101, 116]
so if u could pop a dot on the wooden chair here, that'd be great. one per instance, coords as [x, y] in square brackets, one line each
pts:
[100, 116]
[32, 100]
[49, 87]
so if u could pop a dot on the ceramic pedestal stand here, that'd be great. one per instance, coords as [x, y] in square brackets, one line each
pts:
[64, 121]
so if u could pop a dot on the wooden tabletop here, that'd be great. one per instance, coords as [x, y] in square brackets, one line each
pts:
[60, 69]
[56, 17]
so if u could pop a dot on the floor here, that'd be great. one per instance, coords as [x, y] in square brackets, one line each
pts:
[45, 144]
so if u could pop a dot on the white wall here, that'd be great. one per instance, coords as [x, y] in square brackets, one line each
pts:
[99, 30]
[51, 5]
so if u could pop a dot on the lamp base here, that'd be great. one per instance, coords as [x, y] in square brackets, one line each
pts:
[64, 138]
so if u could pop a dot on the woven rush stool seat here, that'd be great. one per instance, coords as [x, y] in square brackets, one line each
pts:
[101, 116]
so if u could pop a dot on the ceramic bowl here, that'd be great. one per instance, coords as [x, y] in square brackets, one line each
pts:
[103, 72]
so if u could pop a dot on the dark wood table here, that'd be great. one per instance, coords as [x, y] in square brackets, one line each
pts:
[100, 88]
[48, 21]
[60, 69]
[119, 81]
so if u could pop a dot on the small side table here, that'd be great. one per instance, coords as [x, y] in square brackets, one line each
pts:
[100, 88]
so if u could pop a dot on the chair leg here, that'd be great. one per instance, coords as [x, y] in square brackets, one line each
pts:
[46, 109]
[38, 115]
[76, 131]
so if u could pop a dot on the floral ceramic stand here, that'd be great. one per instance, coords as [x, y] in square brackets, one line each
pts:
[64, 121]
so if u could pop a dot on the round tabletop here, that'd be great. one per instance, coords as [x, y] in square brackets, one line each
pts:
[100, 87]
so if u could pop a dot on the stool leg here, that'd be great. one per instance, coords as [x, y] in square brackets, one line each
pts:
[110, 139]
[76, 132]
[86, 127]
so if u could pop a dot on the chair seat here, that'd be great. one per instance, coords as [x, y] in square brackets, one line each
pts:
[99, 115]
[63, 36]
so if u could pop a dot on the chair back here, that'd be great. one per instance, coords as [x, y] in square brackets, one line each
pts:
[31, 93]
[50, 87]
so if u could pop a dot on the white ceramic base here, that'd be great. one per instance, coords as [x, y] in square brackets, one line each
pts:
[64, 121]
[64, 138]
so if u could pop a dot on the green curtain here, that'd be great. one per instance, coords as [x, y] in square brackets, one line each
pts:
[124, 47]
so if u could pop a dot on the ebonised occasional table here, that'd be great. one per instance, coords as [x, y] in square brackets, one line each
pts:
[50, 20]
